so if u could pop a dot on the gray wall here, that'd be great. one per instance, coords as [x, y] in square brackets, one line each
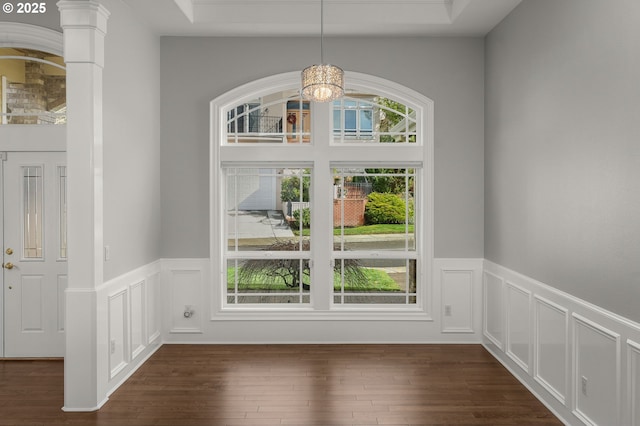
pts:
[448, 70]
[50, 19]
[562, 148]
[131, 142]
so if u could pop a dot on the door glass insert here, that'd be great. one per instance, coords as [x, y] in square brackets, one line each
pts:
[32, 209]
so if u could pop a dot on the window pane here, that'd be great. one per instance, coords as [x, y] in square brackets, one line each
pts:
[350, 122]
[374, 209]
[337, 117]
[366, 123]
[268, 209]
[375, 281]
[32, 209]
[373, 119]
[268, 280]
[281, 117]
[268, 229]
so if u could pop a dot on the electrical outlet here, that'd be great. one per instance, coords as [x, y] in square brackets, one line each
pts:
[447, 310]
[189, 311]
[113, 346]
[583, 381]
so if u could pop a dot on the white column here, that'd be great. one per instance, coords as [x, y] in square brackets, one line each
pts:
[84, 24]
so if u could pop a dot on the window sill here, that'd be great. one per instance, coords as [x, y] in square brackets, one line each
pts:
[303, 314]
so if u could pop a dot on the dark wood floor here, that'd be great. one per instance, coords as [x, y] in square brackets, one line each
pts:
[288, 385]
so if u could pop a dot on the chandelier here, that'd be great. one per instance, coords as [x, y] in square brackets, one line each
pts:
[324, 82]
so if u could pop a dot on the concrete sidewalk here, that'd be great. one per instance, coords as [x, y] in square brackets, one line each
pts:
[264, 227]
[259, 227]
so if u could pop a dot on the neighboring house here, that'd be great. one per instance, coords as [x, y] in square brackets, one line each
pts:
[359, 118]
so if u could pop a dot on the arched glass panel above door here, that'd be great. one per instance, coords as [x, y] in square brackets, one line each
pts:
[32, 87]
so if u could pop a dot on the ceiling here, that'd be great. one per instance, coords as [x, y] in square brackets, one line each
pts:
[341, 17]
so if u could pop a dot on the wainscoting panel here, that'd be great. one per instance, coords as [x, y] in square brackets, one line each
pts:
[459, 284]
[577, 367]
[132, 302]
[154, 308]
[494, 308]
[62, 285]
[138, 317]
[597, 372]
[551, 347]
[518, 325]
[186, 308]
[633, 351]
[453, 312]
[117, 332]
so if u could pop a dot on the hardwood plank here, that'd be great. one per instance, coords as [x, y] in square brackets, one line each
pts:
[287, 385]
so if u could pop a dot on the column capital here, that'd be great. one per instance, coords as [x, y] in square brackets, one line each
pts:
[84, 24]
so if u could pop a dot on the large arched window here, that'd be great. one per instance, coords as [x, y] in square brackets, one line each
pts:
[321, 208]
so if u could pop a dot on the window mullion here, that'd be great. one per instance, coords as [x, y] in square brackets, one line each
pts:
[322, 204]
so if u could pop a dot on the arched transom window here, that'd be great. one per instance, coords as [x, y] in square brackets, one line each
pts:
[321, 208]
[32, 87]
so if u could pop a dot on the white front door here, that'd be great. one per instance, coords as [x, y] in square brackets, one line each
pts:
[34, 253]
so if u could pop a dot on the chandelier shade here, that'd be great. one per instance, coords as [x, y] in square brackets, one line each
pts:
[322, 83]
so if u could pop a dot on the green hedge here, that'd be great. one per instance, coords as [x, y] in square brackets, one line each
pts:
[306, 218]
[384, 208]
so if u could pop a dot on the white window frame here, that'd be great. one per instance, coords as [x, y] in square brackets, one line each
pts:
[394, 154]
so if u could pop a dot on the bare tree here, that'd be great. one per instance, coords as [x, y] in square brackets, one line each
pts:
[295, 272]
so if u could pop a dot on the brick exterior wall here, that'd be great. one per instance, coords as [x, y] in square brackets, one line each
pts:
[39, 94]
[353, 211]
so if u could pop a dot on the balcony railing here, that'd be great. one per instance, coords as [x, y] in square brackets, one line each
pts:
[259, 125]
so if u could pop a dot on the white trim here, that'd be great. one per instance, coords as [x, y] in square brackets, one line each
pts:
[499, 343]
[608, 334]
[14, 34]
[135, 351]
[539, 301]
[509, 286]
[87, 371]
[307, 327]
[112, 299]
[3, 158]
[633, 387]
[98, 406]
[33, 59]
[29, 137]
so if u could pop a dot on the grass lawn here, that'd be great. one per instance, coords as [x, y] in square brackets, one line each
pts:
[386, 228]
[377, 280]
